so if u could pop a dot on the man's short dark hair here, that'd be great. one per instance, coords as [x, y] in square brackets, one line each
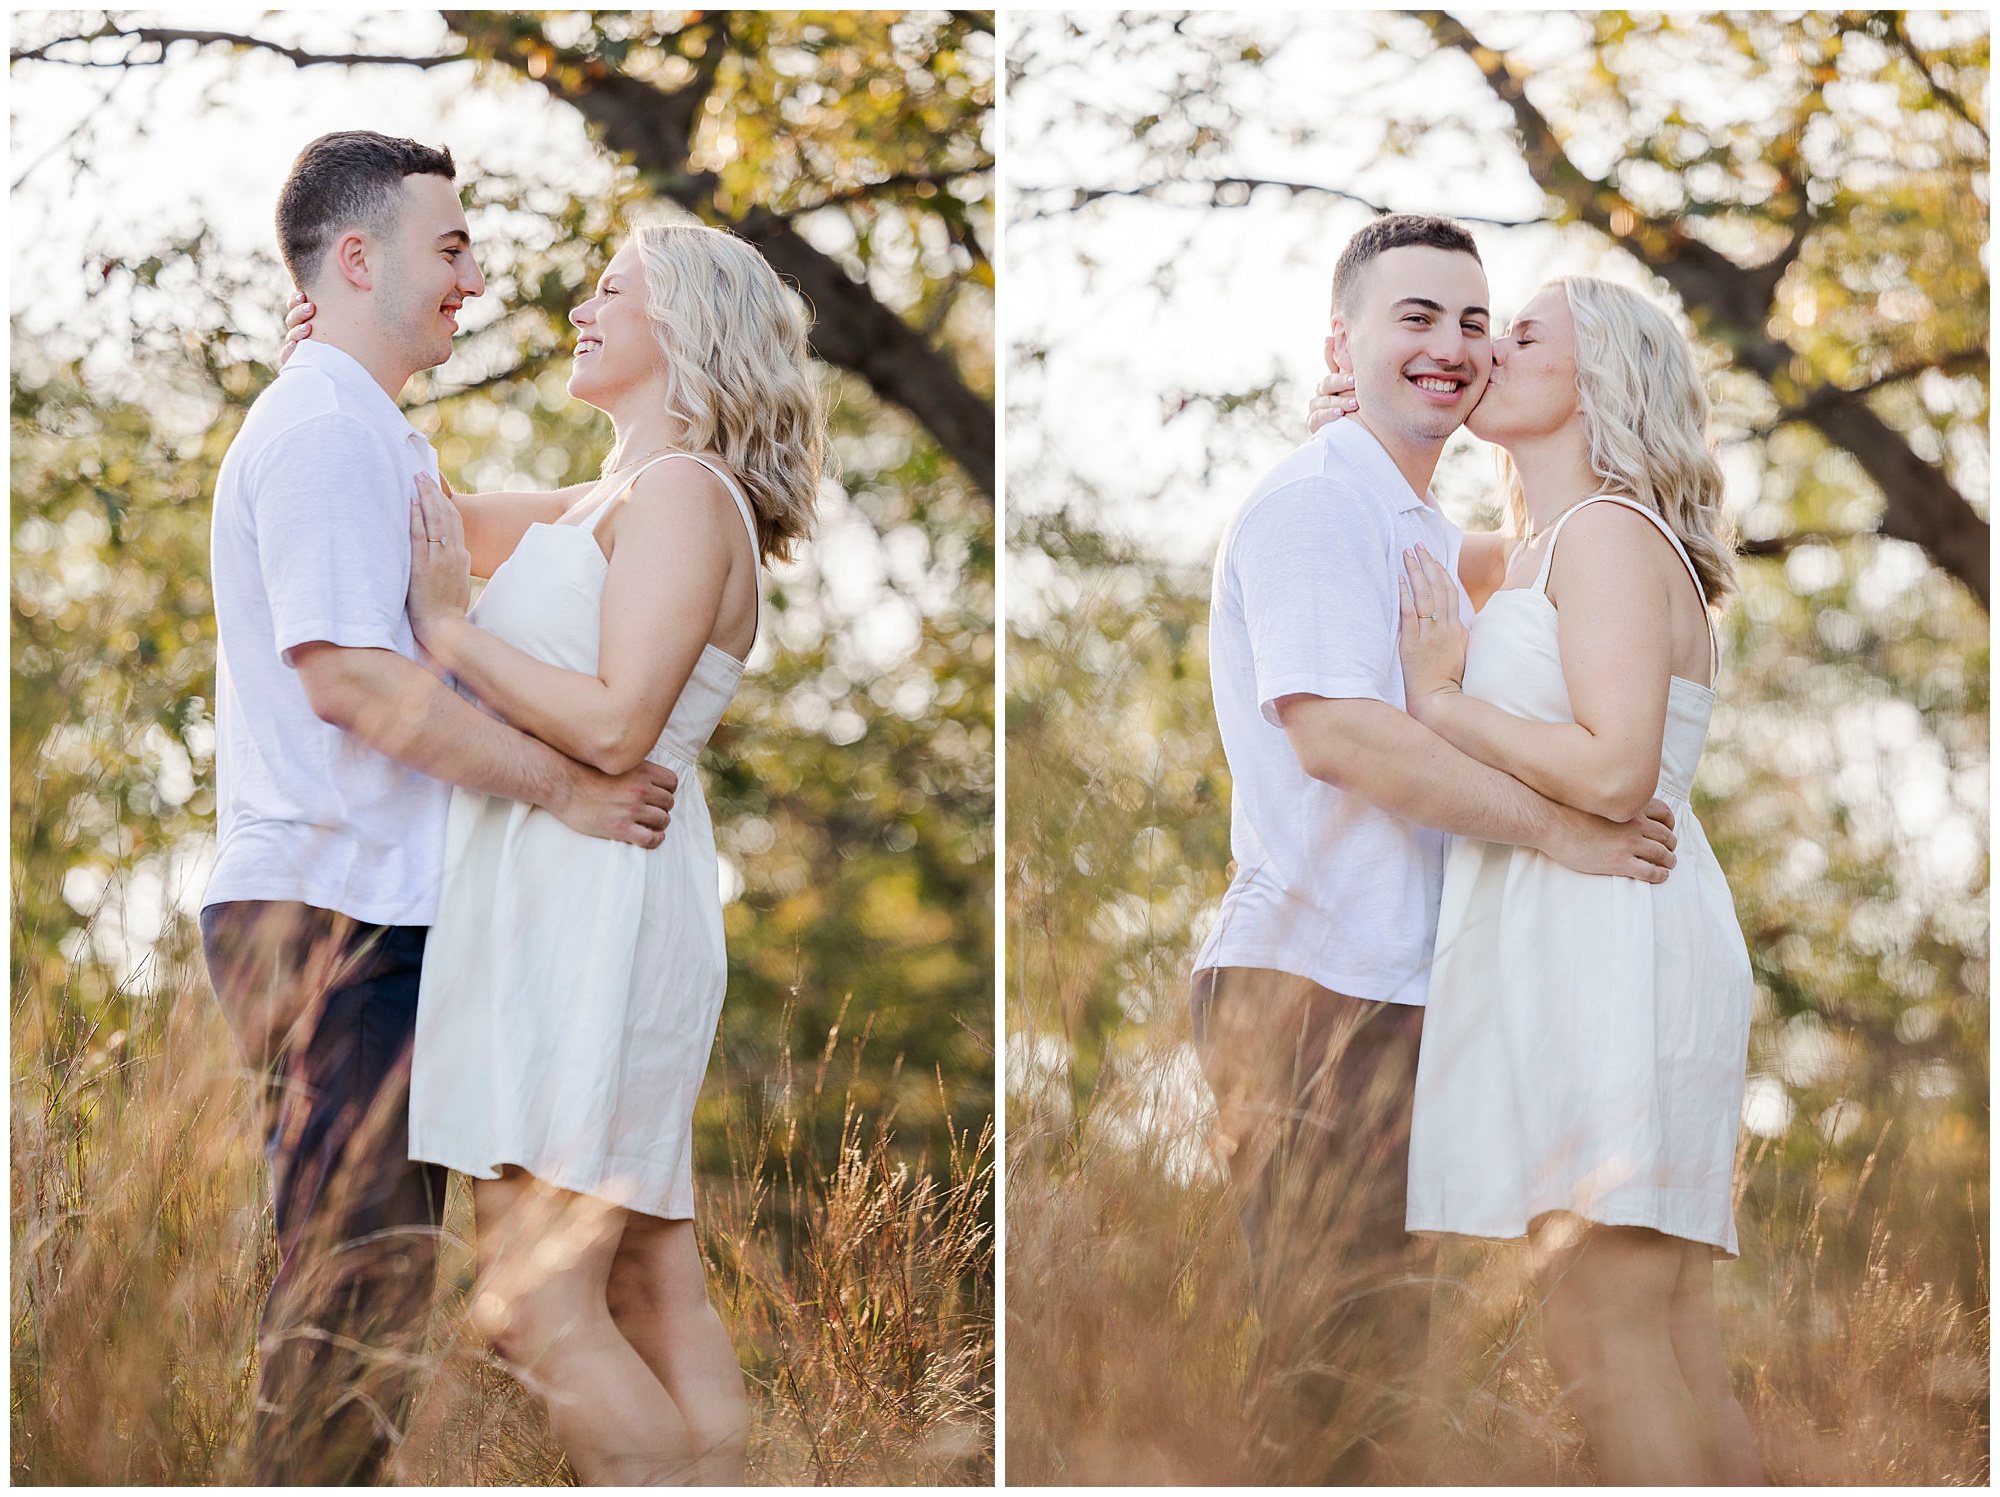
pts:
[1394, 231]
[349, 179]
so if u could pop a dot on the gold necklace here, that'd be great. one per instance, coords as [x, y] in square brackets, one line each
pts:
[604, 473]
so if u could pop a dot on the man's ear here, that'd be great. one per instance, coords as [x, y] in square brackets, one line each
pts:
[1338, 359]
[353, 258]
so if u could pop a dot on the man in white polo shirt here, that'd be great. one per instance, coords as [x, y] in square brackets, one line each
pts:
[337, 748]
[1308, 992]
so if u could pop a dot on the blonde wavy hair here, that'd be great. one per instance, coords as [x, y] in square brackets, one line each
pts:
[734, 340]
[1645, 414]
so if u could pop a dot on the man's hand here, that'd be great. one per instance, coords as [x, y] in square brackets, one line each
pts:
[630, 807]
[1642, 848]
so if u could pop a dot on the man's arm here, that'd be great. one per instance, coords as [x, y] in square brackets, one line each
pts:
[401, 710]
[1394, 762]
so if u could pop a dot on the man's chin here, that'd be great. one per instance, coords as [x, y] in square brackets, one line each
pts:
[1435, 425]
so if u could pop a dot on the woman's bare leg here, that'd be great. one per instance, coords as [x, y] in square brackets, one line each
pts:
[545, 1259]
[1607, 1306]
[1697, 1333]
[661, 1306]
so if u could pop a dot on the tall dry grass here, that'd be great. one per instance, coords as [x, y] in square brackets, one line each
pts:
[1133, 1347]
[857, 1290]
[1857, 1317]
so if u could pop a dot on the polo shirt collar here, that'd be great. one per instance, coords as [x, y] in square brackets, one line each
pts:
[347, 371]
[1359, 447]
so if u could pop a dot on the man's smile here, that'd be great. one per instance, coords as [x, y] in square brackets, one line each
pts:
[1437, 388]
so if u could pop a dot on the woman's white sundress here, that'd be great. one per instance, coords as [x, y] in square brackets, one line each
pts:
[571, 985]
[1585, 1036]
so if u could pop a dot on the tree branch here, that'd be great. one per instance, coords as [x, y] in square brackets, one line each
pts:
[851, 329]
[1948, 97]
[164, 37]
[1226, 192]
[1962, 361]
[886, 186]
[656, 126]
[1732, 303]
[1784, 545]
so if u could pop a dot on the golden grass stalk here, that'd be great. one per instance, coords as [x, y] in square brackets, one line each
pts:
[1134, 1353]
[142, 1249]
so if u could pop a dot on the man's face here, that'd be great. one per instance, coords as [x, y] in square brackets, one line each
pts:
[428, 271]
[1416, 338]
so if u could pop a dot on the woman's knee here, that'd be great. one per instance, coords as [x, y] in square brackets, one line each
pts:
[522, 1324]
[658, 1270]
[544, 1260]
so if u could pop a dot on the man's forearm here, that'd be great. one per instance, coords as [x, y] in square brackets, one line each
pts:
[1395, 763]
[401, 710]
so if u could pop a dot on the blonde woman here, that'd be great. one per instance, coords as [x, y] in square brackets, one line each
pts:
[1580, 1079]
[571, 986]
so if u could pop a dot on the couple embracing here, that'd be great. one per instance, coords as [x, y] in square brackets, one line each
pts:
[480, 928]
[1478, 973]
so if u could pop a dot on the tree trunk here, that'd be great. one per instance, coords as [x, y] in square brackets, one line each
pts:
[1733, 303]
[851, 329]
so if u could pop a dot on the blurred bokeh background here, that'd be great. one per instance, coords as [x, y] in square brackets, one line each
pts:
[851, 782]
[1809, 193]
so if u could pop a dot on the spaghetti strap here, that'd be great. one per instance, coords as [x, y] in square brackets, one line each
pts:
[595, 517]
[1549, 555]
[742, 504]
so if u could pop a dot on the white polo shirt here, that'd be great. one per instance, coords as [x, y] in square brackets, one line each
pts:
[1327, 886]
[311, 541]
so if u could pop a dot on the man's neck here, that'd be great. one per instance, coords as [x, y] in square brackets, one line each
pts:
[1415, 459]
[383, 366]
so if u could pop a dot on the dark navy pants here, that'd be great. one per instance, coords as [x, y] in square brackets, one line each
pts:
[325, 1009]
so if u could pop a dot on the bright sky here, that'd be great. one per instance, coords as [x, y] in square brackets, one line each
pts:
[211, 136]
[1249, 286]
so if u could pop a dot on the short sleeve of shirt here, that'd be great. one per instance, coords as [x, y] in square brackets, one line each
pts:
[333, 536]
[1318, 593]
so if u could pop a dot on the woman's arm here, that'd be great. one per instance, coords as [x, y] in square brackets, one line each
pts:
[678, 538]
[495, 523]
[1616, 649]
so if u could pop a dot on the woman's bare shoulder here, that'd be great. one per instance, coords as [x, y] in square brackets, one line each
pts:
[679, 498]
[1611, 532]
[1609, 547]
